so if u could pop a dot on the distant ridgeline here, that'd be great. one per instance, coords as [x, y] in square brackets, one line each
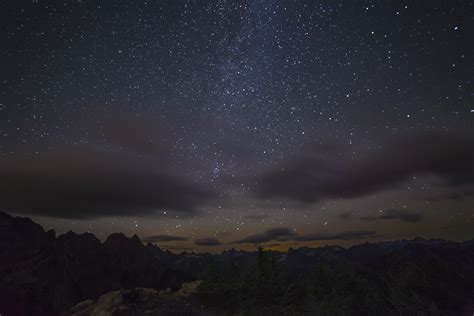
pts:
[41, 274]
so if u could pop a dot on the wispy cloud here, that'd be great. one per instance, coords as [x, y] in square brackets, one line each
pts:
[287, 234]
[391, 214]
[164, 238]
[211, 241]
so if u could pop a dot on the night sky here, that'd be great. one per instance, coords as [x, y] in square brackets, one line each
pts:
[209, 125]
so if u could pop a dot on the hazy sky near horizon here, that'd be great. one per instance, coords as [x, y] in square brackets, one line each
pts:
[215, 124]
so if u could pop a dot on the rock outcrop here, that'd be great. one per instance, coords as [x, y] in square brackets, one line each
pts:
[141, 301]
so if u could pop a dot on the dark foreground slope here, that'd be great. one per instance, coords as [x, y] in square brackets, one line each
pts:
[41, 274]
[44, 275]
[416, 277]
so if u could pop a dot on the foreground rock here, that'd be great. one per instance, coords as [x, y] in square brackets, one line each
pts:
[142, 301]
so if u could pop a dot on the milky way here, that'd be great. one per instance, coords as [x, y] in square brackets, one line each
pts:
[200, 125]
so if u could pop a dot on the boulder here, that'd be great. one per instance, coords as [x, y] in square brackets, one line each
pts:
[109, 301]
[188, 288]
[82, 306]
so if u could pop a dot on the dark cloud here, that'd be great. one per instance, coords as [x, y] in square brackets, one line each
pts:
[391, 214]
[287, 234]
[338, 236]
[465, 194]
[401, 215]
[87, 183]
[346, 215]
[164, 238]
[324, 173]
[278, 233]
[456, 195]
[207, 242]
[177, 248]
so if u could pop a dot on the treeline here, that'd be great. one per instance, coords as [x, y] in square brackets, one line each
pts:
[330, 288]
